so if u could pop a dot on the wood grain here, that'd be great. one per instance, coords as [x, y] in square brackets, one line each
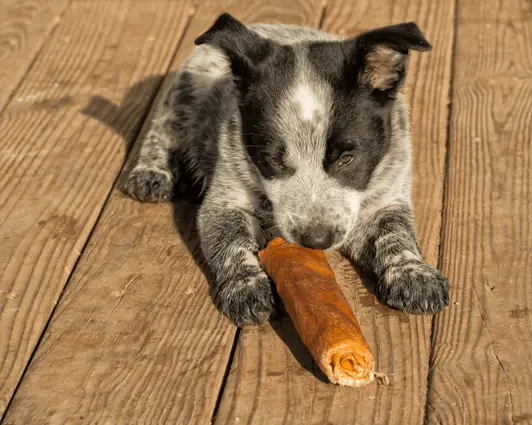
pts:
[59, 164]
[481, 371]
[136, 338]
[24, 27]
[272, 380]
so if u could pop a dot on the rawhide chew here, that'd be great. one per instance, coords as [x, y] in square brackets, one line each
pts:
[322, 316]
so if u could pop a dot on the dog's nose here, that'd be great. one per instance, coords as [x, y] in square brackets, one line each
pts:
[317, 238]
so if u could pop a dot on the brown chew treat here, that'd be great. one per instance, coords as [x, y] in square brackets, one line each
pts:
[321, 314]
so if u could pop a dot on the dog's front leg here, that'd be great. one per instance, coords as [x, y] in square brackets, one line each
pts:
[230, 243]
[385, 243]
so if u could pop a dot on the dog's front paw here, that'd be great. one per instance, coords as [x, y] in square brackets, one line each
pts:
[415, 288]
[148, 184]
[246, 299]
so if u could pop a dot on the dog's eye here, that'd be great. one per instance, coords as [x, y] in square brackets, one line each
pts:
[345, 159]
[277, 163]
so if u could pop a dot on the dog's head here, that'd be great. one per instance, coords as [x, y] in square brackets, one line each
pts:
[316, 119]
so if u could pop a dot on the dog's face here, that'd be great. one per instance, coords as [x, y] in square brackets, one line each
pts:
[316, 120]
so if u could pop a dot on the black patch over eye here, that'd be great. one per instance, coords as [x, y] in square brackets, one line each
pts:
[357, 144]
[268, 156]
[339, 153]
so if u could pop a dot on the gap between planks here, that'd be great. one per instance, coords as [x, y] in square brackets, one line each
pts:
[150, 104]
[443, 199]
[22, 399]
[252, 374]
[482, 341]
[35, 337]
[319, 25]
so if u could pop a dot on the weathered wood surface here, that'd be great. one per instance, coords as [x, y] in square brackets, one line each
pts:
[58, 164]
[136, 338]
[270, 380]
[481, 371]
[24, 29]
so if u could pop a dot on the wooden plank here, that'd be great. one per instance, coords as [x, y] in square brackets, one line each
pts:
[136, 337]
[482, 373]
[271, 379]
[24, 27]
[59, 164]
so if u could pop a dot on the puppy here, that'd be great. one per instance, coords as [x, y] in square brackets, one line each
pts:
[291, 131]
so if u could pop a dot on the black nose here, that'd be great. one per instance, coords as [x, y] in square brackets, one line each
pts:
[317, 238]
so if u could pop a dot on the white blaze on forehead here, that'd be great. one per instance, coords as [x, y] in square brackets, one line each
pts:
[308, 101]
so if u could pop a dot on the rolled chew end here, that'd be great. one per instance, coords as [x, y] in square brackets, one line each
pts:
[322, 316]
[346, 365]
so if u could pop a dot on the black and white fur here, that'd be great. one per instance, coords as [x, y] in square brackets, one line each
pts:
[291, 131]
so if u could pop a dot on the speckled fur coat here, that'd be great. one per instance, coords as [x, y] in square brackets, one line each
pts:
[291, 131]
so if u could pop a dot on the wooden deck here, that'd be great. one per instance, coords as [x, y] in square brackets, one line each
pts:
[105, 316]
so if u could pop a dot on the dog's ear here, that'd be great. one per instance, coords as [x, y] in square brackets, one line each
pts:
[380, 55]
[245, 49]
